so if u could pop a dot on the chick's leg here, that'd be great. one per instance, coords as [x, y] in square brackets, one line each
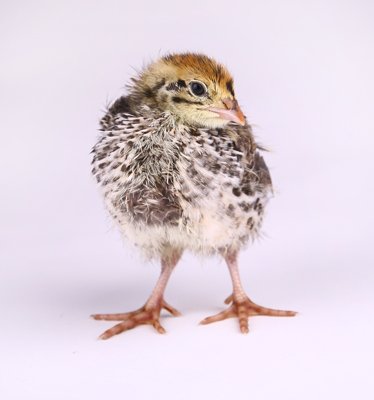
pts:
[150, 312]
[241, 306]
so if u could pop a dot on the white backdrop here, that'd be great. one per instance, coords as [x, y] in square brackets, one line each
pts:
[304, 77]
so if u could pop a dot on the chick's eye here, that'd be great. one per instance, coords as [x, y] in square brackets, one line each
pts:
[198, 89]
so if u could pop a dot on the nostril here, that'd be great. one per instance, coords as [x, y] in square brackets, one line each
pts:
[229, 103]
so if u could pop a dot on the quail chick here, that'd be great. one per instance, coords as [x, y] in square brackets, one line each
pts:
[179, 170]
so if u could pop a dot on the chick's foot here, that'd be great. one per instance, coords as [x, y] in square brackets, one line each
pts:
[147, 315]
[243, 309]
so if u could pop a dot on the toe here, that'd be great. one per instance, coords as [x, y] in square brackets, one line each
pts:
[258, 310]
[243, 318]
[158, 327]
[123, 326]
[171, 309]
[219, 317]
[111, 317]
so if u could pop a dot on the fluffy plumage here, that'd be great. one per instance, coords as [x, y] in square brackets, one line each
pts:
[179, 168]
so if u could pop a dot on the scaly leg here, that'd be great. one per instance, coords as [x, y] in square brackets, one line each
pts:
[241, 306]
[150, 312]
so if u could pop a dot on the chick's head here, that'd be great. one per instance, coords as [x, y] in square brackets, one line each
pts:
[193, 88]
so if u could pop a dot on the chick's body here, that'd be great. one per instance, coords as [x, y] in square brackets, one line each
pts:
[180, 170]
[181, 187]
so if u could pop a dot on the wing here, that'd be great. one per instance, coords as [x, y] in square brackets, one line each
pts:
[127, 166]
[123, 105]
[256, 175]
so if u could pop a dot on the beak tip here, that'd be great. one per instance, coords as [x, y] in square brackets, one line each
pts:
[233, 114]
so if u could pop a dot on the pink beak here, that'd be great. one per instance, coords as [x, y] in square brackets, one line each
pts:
[232, 112]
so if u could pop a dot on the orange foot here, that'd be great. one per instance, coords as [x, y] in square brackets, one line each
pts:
[244, 309]
[145, 315]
